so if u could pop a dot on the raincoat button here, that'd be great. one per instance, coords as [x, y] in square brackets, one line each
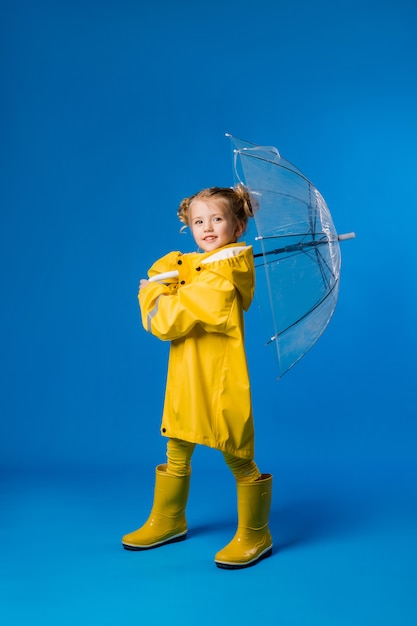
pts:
[164, 430]
[182, 282]
[198, 269]
[179, 262]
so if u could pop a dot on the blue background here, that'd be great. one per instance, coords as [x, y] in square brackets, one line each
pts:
[111, 113]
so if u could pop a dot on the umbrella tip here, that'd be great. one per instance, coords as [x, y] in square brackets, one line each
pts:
[346, 236]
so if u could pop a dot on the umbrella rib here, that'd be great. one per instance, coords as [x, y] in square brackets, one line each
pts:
[303, 317]
[289, 168]
[322, 263]
[289, 254]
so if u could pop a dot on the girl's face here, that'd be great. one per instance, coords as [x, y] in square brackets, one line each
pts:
[213, 225]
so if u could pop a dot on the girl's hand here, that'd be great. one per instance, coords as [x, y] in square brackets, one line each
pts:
[143, 283]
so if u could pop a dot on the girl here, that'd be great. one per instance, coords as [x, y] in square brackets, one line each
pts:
[208, 400]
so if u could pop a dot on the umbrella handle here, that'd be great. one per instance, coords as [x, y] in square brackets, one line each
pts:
[164, 276]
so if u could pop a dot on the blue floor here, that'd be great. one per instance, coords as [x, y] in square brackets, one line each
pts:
[345, 551]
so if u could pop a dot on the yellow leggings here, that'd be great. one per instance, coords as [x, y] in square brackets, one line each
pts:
[179, 455]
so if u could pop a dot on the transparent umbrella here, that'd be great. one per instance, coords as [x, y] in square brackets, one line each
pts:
[296, 249]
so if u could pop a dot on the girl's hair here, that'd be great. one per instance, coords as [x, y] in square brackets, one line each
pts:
[241, 205]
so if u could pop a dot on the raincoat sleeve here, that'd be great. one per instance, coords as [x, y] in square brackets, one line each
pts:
[171, 316]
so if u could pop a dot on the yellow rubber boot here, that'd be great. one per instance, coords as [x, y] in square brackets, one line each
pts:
[252, 541]
[166, 522]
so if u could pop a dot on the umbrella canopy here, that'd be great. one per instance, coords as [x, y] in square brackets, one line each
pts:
[296, 249]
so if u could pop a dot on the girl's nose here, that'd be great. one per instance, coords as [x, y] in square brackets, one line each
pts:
[208, 226]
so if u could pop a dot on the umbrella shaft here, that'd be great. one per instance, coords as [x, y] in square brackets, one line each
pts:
[296, 247]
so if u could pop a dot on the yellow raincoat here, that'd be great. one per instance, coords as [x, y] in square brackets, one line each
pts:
[208, 398]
